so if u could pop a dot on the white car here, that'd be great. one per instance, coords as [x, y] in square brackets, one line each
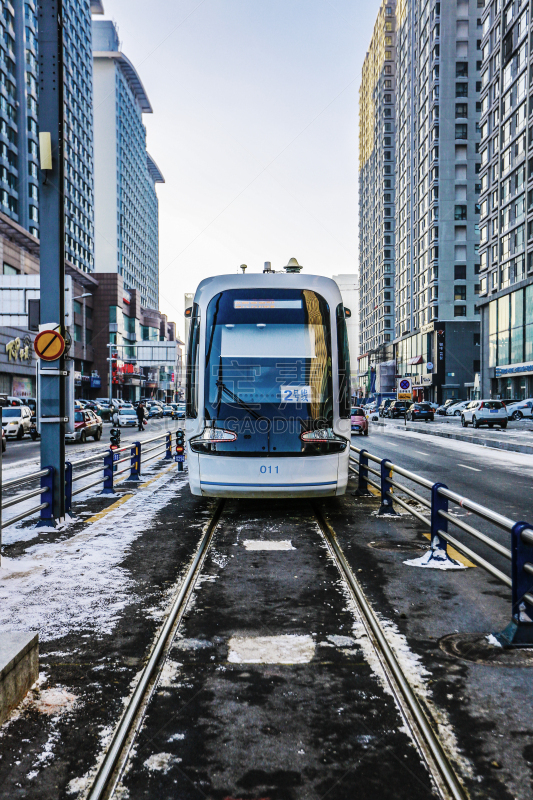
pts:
[454, 410]
[127, 416]
[16, 420]
[520, 409]
[484, 412]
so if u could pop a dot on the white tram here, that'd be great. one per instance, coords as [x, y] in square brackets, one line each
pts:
[268, 387]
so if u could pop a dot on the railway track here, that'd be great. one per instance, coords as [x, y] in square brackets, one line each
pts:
[443, 781]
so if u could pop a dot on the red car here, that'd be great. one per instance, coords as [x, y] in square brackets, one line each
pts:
[359, 422]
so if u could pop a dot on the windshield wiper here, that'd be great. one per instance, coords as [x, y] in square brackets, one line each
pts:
[236, 399]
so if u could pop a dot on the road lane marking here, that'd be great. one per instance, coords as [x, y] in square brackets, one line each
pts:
[453, 553]
[102, 514]
[288, 649]
[421, 452]
[465, 466]
[268, 544]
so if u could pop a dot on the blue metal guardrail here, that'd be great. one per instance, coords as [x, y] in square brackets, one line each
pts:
[108, 472]
[519, 632]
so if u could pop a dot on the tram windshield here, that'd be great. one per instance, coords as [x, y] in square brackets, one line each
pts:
[268, 361]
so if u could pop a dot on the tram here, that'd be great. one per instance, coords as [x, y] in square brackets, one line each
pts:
[268, 387]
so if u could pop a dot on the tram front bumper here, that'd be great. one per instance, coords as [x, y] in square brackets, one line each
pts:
[315, 476]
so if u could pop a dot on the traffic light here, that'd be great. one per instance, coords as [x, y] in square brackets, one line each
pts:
[180, 449]
[115, 438]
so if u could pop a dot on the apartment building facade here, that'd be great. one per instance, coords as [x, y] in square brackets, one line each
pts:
[377, 184]
[126, 175]
[506, 202]
[437, 184]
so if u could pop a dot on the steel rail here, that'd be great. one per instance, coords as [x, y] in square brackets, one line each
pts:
[368, 455]
[154, 438]
[403, 688]
[160, 453]
[151, 450]
[23, 515]
[373, 483]
[86, 474]
[412, 476]
[373, 471]
[414, 495]
[89, 460]
[481, 511]
[499, 548]
[120, 737]
[527, 536]
[122, 460]
[20, 497]
[24, 479]
[89, 486]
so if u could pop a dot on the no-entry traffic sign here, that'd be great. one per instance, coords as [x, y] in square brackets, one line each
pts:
[49, 345]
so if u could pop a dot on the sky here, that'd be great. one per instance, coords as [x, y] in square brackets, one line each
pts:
[255, 128]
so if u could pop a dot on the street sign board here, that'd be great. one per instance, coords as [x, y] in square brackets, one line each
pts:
[405, 389]
[49, 345]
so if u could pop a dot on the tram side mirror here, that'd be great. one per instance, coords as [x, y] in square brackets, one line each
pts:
[347, 313]
[188, 312]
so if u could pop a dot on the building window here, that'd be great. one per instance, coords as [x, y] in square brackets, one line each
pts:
[460, 212]
[461, 131]
[9, 270]
[459, 311]
[459, 292]
[77, 307]
[460, 272]
[461, 69]
[461, 90]
[77, 333]
[461, 109]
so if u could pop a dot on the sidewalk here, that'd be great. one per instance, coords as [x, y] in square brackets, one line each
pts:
[518, 437]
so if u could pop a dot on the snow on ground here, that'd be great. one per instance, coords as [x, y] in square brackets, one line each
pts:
[79, 584]
[507, 459]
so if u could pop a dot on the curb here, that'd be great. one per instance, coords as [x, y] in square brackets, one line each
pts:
[496, 444]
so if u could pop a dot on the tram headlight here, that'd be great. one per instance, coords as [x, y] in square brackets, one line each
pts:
[325, 440]
[209, 437]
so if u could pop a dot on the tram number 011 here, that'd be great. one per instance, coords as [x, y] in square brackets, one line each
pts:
[264, 469]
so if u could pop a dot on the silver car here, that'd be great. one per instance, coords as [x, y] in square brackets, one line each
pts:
[484, 412]
[16, 420]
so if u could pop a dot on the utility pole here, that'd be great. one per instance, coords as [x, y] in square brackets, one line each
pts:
[52, 223]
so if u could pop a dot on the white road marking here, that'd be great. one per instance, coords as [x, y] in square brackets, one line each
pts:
[421, 452]
[465, 466]
[265, 544]
[290, 649]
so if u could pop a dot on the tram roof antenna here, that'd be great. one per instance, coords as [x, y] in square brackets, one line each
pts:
[292, 266]
[268, 267]
[244, 268]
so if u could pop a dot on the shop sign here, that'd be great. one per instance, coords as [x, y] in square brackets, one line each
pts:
[429, 366]
[429, 328]
[77, 378]
[515, 369]
[95, 382]
[20, 350]
[424, 380]
[22, 387]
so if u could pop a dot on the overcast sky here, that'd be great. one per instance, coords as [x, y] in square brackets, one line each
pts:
[254, 128]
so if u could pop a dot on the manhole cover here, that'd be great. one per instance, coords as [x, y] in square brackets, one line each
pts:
[399, 547]
[475, 647]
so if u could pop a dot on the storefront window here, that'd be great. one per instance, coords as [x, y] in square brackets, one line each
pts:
[503, 330]
[528, 344]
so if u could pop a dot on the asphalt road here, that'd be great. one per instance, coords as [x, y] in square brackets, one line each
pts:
[27, 450]
[499, 479]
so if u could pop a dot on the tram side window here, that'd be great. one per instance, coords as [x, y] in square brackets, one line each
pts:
[193, 353]
[344, 364]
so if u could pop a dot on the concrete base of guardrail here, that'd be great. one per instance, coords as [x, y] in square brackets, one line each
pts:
[497, 444]
[19, 668]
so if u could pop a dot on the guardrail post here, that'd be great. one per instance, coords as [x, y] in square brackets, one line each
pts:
[437, 557]
[386, 506]
[362, 487]
[168, 454]
[519, 632]
[68, 487]
[135, 472]
[47, 514]
[108, 473]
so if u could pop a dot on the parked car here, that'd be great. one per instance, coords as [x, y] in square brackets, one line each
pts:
[521, 409]
[179, 411]
[359, 422]
[384, 405]
[16, 420]
[441, 410]
[484, 412]
[4, 440]
[86, 423]
[455, 409]
[419, 411]
[397, 408]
